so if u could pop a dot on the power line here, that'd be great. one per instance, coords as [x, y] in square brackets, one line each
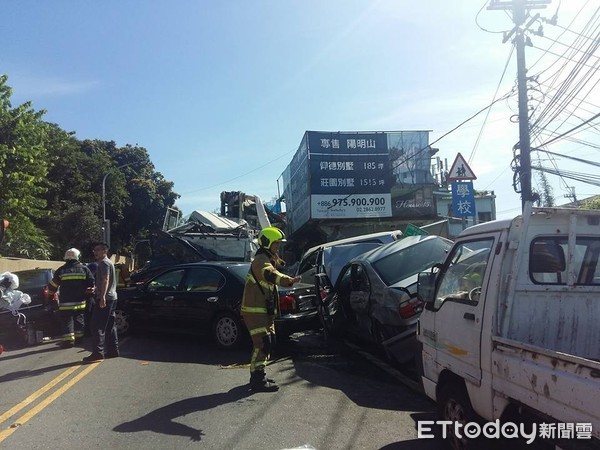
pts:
[476, 145]
[240, 176]
[504, 97]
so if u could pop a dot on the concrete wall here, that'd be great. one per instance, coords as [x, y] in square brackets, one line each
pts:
[14, 264]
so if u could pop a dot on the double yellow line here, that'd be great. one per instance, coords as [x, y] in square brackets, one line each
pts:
[45, 402]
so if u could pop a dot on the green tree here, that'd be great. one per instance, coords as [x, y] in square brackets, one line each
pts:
[547, 195]
[149, 196]
[23, 171]
[51, 187]
[74, 194]
[591, 203]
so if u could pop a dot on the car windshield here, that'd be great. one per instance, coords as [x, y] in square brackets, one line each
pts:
[32, 278]
[411, 260]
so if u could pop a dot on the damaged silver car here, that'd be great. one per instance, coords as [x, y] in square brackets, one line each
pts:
[375, 298]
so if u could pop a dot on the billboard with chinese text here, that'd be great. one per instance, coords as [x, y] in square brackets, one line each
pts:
[353, 175]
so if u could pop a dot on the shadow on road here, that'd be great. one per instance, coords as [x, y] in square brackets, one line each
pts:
[9, 353]
[20, 374]
[341, 368]
[162, 420]
[180, 349]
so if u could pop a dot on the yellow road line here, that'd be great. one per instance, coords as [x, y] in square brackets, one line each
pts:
[47, 401]
[15, 409]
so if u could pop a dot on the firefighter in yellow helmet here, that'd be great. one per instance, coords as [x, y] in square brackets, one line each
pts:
[259, 304]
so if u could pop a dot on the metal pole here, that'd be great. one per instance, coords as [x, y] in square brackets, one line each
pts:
[524, 139]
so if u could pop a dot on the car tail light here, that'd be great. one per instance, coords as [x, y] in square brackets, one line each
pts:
[47, 297]
[410, 308]
[287, 304]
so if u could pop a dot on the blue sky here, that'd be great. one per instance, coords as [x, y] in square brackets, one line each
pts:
[221, 92]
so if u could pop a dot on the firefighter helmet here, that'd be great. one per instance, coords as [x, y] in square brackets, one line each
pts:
[269, 235]
[72, 254]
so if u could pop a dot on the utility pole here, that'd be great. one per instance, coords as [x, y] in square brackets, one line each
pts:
[519, 14]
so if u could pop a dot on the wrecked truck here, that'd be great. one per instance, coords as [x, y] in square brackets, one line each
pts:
[203, 236]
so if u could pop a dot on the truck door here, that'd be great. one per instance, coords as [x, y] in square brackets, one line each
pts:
[459, 307]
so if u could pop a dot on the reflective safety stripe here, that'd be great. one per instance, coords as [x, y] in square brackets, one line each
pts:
[71, 306]
[253, 360]
[73, 276]
[254, 309]
[264, 284]
[258, 330]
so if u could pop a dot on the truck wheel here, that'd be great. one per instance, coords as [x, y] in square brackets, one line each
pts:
[454, 405]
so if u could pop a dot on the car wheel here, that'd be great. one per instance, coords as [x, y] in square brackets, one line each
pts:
[122, 323]
[454, 405]
[228, 331]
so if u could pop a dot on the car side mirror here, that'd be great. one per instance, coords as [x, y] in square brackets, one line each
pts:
[426, 287]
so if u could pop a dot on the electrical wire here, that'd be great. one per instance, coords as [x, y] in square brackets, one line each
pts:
[418, 152]
[240, 176]
[489, 110]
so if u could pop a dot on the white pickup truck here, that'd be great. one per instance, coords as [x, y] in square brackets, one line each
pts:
[510, 333]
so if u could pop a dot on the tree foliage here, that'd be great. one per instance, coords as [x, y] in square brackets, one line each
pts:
[23, 151]
[592, 203]
[51, 187]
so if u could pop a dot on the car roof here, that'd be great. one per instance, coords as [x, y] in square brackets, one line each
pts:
[382, 236]
[393, 247]
[206, 264]
[37, 269]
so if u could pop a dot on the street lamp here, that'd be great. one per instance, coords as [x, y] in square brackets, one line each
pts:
[105, 224]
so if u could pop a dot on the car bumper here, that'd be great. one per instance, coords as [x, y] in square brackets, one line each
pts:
[292, 323]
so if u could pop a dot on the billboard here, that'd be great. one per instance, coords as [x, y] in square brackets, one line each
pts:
[356, 175]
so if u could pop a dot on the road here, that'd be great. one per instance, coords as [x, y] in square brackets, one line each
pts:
[181, 392]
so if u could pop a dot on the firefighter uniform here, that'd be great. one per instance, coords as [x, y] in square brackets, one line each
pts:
[74, 279]
[259, 306]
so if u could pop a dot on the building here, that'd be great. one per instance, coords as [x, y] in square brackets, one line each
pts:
[341, 184]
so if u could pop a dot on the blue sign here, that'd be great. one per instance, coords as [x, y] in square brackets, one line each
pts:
[463, 199]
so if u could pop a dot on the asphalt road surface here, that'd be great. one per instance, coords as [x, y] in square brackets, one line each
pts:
[181, 392]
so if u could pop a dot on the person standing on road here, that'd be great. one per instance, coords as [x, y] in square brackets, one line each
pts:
[259, 304]
[105, 342]
[75, 281]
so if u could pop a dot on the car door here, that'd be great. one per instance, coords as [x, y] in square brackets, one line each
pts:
[199, 299]
[153, 309]
[459, 311]
[359, 299]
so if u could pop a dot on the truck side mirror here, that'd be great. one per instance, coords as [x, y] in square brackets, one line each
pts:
[426, 286]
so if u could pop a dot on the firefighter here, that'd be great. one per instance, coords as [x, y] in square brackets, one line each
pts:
[76, 282]
[259, 304]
